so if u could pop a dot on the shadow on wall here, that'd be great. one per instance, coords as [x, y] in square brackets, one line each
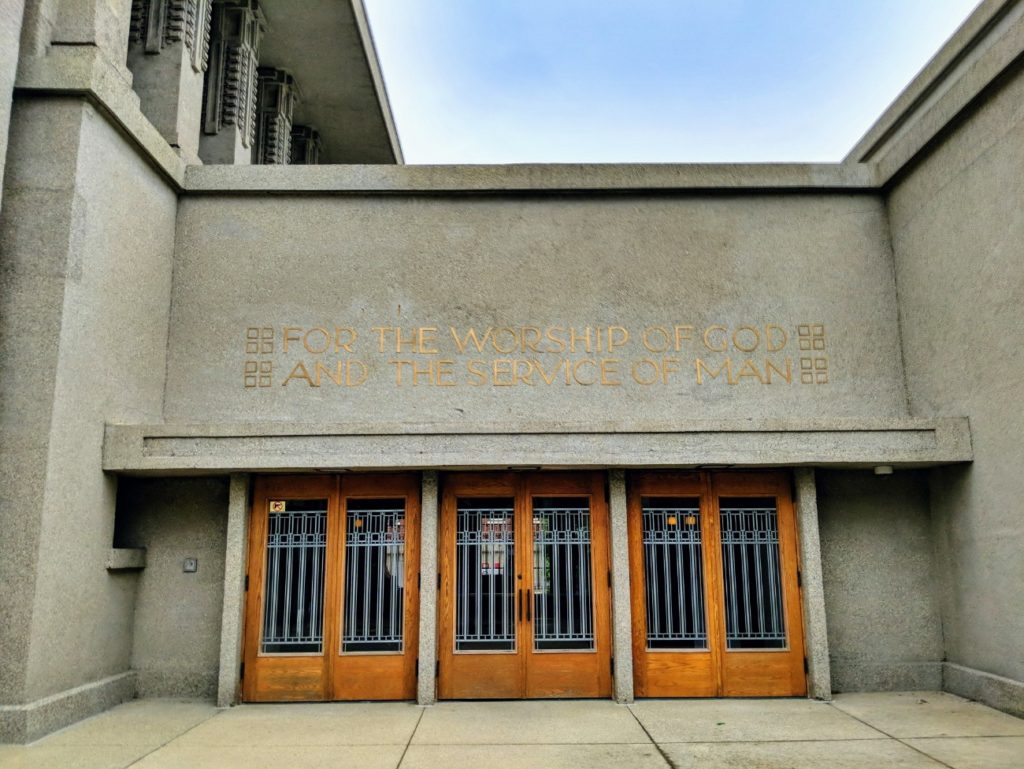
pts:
[182, 523]
[881, 593]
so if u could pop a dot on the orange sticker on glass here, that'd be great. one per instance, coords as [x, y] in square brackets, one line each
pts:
[277, 506]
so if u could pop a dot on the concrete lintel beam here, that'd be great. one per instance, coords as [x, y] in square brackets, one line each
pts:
[167, 449]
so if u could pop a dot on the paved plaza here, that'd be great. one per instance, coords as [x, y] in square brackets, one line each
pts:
[908, 730]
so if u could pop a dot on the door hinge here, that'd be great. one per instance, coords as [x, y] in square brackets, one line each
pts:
[609, 577]
[419, 579]
[417, 667]
[241, 671]
[611, 665]
[437, 668]
[246, 583]
[799, 578]
[807, 668]
[439, 580]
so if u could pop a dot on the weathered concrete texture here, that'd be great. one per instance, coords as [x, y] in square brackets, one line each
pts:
[28, 722]
[170, 94]
[177, 639]
[83, 69]
[100, 23]
[426, 684]
[533, 178]
[233, 612]
[957, 226]
[622, 617]
[884, 629]
[169, 448]
[1003, 693]
[105, 282]
[84, 341]
[819, 676]
[11, 12]
[246, 262]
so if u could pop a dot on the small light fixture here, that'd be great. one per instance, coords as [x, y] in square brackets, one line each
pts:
[883, 469]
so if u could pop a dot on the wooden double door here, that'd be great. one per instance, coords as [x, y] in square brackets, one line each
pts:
[332, 591]
[714, 578]
[524, 586]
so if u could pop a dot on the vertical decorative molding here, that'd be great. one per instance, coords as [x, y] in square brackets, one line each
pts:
[236, 29]
[158, 24]
[306, 146]
[277, 97]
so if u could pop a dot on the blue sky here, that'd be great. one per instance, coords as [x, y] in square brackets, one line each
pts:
[519, 81]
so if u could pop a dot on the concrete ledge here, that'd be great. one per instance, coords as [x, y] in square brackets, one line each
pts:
[81, 70]
[1004, 694]
[528, 178]
[126, 559]
[29, 722]
[166, 449]
[988, 43]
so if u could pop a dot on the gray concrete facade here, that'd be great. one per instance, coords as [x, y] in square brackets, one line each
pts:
[167, 330]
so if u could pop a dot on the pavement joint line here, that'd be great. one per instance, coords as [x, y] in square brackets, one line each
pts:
[412, 734]
[172, 739]
[940, 762]
[661, 751]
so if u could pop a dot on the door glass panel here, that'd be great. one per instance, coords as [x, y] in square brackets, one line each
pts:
[374, 575]
[484, 580]
[750, 565]
[293, 612]
[563, 612]
[674, 573]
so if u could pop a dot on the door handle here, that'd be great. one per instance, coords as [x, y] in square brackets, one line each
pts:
[529, 604]
[519, 603]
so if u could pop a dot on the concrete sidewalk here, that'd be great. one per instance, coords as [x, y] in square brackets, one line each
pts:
[913, 730]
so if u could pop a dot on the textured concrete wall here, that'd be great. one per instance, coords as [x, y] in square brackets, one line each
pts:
[177, 615]
[958, 224]
[86, 234]
[588, 260]
[881, 599]
[11, 12]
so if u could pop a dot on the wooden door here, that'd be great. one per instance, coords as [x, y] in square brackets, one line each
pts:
[332, 588]
[715, 587]
[524, 606]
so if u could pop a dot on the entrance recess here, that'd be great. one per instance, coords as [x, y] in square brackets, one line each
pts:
[332, 593]
[715, 586]
[524, 580]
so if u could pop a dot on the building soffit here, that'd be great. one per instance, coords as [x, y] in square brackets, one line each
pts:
[327, 46]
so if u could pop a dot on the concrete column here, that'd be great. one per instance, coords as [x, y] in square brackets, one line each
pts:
[622, 613]
[100, 23]
[234, 590]
[819, 678]
[426, 685]
[168, 54]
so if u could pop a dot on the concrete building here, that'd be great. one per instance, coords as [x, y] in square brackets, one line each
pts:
[286, 419]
